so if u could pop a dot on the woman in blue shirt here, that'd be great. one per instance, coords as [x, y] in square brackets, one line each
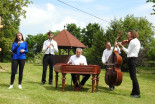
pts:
[19, 48]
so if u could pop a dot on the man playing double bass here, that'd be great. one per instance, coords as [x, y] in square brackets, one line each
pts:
[106, 53]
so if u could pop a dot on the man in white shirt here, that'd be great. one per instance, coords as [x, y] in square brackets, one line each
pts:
[78, 59]
[132, 55]
[106, 53]
[49, 48]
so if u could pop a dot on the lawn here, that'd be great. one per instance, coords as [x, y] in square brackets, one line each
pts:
[34, 93]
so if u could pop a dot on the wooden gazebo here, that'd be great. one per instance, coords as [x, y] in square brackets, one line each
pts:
[66, 40]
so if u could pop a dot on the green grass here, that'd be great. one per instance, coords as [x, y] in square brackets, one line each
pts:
[34, 93]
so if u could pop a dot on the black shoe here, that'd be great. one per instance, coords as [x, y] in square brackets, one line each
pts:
[81, 87]
[42, 83]
[76, 85]
[50, 83]
[112, 88]
[135, 96]
[132, 94]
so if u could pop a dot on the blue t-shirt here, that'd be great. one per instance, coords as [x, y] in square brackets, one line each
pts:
[16, 50]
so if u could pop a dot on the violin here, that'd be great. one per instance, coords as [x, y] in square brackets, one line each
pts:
[124, 42]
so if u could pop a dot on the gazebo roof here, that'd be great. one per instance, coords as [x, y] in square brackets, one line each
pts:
[66, 40]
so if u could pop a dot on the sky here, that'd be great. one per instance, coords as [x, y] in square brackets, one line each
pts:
[45, 15]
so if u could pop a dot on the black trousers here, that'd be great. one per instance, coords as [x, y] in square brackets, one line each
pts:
[48, 59]
[132, 63]
[14, 67]
[86, 77]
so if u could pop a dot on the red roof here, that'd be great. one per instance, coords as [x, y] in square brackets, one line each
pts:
[66, 40]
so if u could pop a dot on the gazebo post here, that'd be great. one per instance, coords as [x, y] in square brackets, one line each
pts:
[59, 51]
[68, 51]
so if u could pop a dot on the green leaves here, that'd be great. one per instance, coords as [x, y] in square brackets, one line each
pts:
[74, 30]
[5, 44]
[153, 1]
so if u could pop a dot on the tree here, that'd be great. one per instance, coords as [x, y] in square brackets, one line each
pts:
[95, 43]
[151, 52]
[5, 44]
[88, 34]
[35, 44]
[74, 30]
[10, 11]
[153, 1]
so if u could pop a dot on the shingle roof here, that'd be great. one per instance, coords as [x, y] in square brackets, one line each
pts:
[66, 40]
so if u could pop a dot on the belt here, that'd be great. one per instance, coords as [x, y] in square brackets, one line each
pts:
[49, 54]
[132, 57]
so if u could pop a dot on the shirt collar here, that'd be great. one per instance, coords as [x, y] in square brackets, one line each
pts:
[49, 40]
[110, 49]
[77, 57]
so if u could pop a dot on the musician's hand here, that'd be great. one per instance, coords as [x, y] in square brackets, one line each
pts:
[103, 63]
[81, 63]
[70, 62]
[18, 43]
[22, 50]
[52, 44]
[119, 44]
[48, 46]
[116, 44]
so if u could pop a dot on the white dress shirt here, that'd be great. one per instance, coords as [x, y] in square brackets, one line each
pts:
[107, 53]
[52, 49]
[133, 48]
[77, 60]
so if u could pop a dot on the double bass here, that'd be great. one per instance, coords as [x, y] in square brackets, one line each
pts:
[113, 75]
